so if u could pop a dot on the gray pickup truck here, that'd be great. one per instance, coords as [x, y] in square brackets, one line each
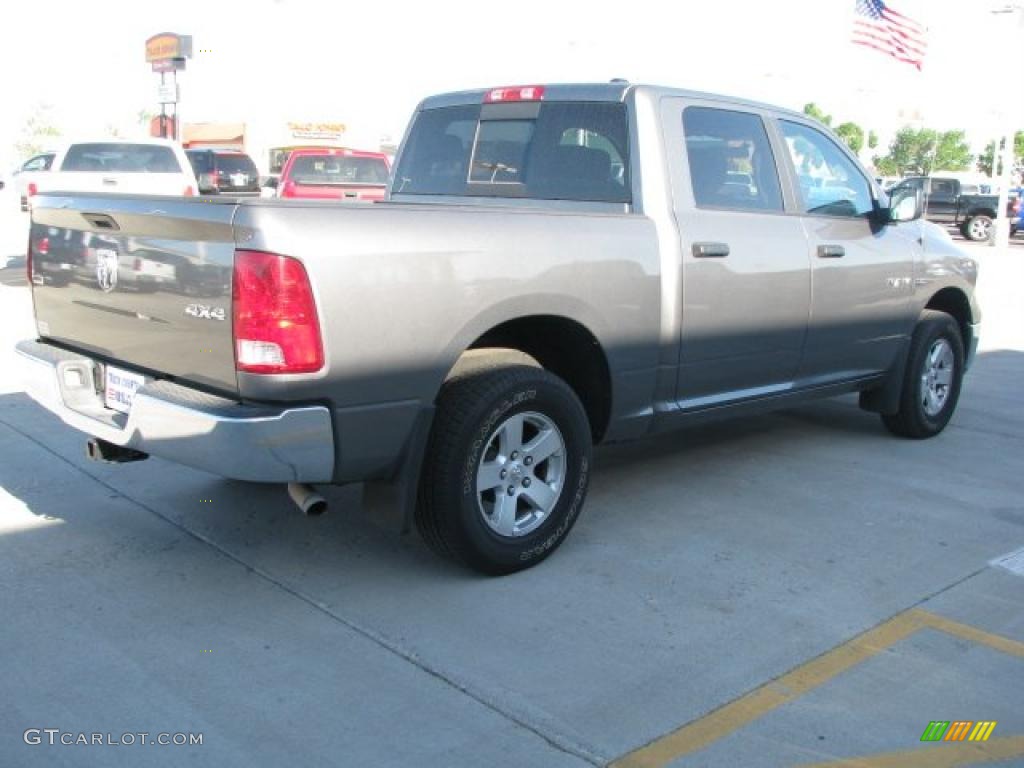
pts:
[554, 267]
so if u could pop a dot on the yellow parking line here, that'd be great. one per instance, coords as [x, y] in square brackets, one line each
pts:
[941, 755]
[720, 723]
[736, 714]
[966, 632]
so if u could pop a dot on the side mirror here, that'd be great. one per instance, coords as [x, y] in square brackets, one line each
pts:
[905, 204]
[271, 182]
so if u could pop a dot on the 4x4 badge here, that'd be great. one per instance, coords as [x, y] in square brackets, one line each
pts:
[204, 312]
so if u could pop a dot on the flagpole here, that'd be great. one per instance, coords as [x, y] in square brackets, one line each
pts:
[1000, 234]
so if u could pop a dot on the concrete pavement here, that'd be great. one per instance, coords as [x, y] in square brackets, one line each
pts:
[707, 566]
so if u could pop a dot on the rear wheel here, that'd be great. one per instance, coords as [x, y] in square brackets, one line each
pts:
[978, 228]
[931, 384]
[506, 469]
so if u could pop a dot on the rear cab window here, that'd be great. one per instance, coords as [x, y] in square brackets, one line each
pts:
[120, 158]
[540, 150]
[231, 163]
[329, 170]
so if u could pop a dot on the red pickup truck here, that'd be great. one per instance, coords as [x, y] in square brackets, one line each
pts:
[334, 174]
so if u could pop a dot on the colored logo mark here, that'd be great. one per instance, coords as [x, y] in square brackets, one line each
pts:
[958, 730]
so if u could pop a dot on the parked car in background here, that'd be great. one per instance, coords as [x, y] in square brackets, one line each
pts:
[554, 267]
[26, 176]
[224, 172]
[136, 167]
[334, 174]
[946, 202]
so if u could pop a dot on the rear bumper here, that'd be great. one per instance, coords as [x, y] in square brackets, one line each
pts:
[258, 443]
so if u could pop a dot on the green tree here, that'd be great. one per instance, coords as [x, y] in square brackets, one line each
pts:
[38, 133]
[813, 110]
[986, 157]
[953, 153]
[924, 151]
[853, 135]
[872, 140]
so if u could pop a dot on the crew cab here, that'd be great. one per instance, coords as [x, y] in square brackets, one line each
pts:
[948, 203]
[334, 174]
[120, 166]
[554, 267]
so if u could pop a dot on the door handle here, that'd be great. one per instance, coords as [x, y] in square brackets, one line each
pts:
[710, 250]
[831, 251]
[110, 181]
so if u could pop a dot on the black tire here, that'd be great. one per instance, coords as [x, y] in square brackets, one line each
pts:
[972, 227]
[469, 410]
[913, 419]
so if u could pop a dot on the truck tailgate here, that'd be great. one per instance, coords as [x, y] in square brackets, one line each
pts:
[141, 281]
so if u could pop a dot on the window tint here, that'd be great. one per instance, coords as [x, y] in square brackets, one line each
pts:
[121, 158]
[731, 161]
[550, 151]
[500, 152]
[830, 183]
[323, 170]
[231, 163]
[943, 187]
[201, 162]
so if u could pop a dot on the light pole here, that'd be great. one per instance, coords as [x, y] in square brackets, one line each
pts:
[1000, 234]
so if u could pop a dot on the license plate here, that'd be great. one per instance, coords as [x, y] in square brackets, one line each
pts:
[120, 388]
[239, 179]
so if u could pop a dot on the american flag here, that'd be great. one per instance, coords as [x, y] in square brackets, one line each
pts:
[878, 26]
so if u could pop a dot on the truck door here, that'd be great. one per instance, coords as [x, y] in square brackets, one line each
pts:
[861, 269]
[745, 265]
[941, 197]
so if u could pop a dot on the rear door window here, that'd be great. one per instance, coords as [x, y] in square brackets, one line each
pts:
[120, 158]
[543, 150]
[731, 161]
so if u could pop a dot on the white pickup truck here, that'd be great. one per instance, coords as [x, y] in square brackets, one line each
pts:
[553, 267]
[119, 166]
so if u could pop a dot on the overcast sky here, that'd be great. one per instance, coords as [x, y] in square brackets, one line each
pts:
[368, 64]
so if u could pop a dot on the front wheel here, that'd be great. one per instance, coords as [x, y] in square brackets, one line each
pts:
[978, 228]
[931, 384]
[506, 469]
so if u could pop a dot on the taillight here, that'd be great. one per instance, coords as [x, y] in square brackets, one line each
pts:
[275, 323]
[137, 264]
[44, 246]
[31, 190]
[288, 189]
[189, 192]
[518, 93]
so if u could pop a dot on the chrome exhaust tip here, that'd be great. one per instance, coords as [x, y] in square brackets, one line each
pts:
[307, 499]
